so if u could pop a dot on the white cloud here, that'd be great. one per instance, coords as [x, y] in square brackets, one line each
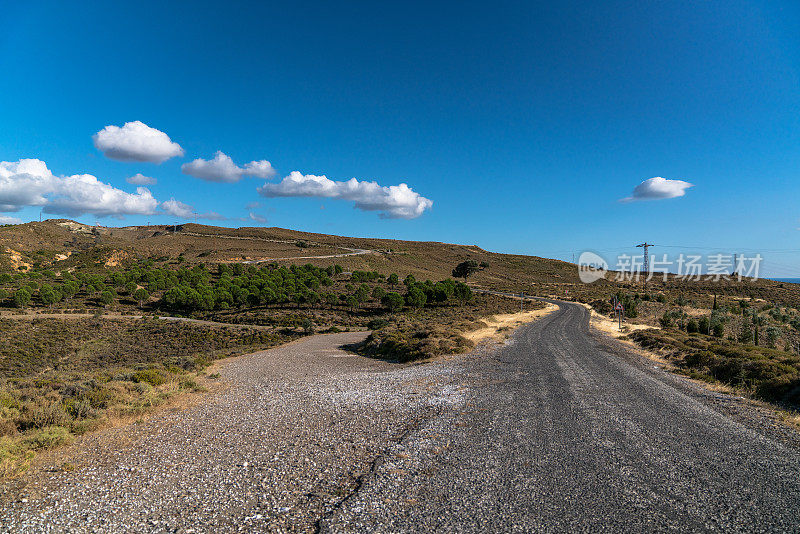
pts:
[259, 169]
[393, 202]
[28, 182]
[257, 218]
[4, 219]
[25, 183]
[86, 194]
[136, 141]
[141, 179]
[252, 205]
[223, 169]
[176, 208]
[181, 210]
[658, 188]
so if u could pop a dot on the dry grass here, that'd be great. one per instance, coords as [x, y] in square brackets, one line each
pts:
[498, 326]
[610, 326]
[60, 379]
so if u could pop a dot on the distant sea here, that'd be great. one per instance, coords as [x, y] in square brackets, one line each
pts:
[789, 280]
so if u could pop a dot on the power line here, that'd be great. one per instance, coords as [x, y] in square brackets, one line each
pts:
[645, 264]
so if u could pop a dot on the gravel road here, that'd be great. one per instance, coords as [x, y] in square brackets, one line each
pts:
[557, 430]
[289, 438]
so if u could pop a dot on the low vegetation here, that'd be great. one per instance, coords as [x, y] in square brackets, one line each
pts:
[61, 378]
[768, 374]
[434, 331]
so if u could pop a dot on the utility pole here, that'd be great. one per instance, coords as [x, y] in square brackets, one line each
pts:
[646, 263]
[522, 302]
[734, 264]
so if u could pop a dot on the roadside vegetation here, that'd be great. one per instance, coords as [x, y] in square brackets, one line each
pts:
[60, 378]
[434, 331]
[765, 373]
[745, 343]
[85, 346]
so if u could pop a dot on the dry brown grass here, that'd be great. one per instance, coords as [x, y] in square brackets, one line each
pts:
[499, 326]
[60, 379]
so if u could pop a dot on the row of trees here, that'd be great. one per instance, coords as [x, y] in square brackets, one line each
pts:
[303, 285]
[418, 294]
[226, 286]
[238, 286]
[48, 294]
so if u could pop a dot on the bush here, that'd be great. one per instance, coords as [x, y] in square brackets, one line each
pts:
[377, 324]
[719, 330]
[44, 416]
[692, 326]
[48, 437]
[152, 377]
[601, 306]
[703, 326]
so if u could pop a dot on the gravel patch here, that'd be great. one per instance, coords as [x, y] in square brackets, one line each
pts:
[282, 446]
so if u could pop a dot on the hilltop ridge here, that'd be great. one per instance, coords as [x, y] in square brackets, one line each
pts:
[63, 242]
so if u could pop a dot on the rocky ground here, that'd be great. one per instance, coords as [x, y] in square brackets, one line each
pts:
[280, 447]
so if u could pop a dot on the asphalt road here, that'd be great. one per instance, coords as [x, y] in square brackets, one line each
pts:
[563, 431]
[558, 430]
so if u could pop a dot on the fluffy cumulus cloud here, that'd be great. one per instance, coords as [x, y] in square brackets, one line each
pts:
[181, 210]
[392, 202]
[28, 182]
[5, 219]
[176, 208]
[141, 179]
[658, 188]
[136, 141]
[223, 169]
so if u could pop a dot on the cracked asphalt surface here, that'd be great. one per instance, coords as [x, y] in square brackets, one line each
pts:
[564, 431]
[559, 429]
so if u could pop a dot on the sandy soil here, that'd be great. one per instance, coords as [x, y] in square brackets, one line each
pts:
[16, 260]
[610, 326]
[498, 326]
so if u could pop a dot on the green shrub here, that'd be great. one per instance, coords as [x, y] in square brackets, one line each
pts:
[703, 326]
[47, 438]
[692, 326]
[153, 377]
[377, 324]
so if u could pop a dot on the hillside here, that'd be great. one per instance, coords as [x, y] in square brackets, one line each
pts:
[63, 244]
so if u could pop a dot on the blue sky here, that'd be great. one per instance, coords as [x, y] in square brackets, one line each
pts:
[524, 123]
